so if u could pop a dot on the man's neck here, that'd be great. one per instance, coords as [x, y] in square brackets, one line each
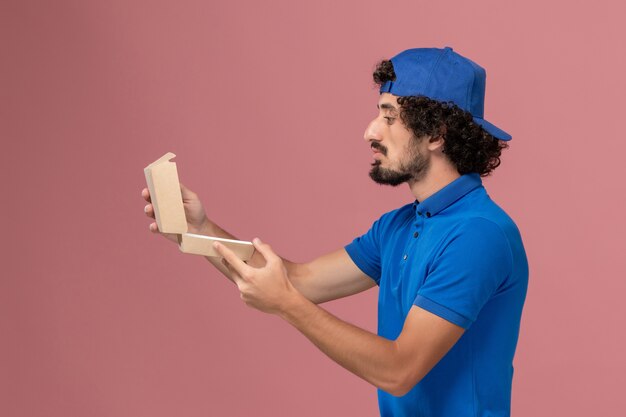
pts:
[437, 177]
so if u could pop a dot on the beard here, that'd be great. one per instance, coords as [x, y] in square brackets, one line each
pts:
[414, 170]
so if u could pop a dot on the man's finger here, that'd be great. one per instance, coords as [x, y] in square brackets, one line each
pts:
[234, 275]
[146, 195]
[237, 264]
[264, 249]
[185, 192]
[149, 210]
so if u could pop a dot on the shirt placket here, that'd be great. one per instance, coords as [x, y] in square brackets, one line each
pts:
[412, 240]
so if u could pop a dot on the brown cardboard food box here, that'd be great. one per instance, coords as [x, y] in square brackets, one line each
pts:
[169, 212]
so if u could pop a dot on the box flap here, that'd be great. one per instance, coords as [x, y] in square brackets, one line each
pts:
[203, 245]
[167, 200]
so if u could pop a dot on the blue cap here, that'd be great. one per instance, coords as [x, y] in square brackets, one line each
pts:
[442, 75]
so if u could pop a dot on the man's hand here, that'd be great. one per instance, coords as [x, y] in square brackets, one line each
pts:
[197, 220]
[266, 288]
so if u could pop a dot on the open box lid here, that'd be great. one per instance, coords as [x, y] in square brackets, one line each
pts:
[167, 200]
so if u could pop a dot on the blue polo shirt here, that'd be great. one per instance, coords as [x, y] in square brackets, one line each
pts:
[459, 256]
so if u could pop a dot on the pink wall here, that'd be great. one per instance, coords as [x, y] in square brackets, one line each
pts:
[265, 106]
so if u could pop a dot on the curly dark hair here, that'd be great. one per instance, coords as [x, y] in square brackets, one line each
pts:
[468, 146]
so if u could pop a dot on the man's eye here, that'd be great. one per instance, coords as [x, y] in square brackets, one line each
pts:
[390, 119]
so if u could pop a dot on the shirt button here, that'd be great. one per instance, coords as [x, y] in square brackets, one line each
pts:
[405, 256]
[428, 214]
[416, 234]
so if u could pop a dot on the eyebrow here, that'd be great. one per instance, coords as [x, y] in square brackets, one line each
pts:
[385, 106]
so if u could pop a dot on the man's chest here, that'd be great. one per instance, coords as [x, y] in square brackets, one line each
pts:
[407, 255]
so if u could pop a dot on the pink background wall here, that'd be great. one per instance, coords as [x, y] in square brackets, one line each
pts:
[265, 105]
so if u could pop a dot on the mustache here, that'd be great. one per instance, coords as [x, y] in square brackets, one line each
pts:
[379, 147]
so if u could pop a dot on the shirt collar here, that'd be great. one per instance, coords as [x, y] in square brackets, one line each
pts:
[447, 195]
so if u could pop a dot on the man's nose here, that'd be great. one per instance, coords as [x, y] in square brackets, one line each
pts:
[372, 132]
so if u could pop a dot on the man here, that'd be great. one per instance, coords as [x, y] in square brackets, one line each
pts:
[451, 266]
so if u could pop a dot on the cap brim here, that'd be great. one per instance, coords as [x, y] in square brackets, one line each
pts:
[494, 131]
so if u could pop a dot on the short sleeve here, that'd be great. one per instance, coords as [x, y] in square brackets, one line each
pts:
[365, 252]
[467, 272]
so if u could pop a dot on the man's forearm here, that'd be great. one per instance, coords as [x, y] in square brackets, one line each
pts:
[371, 357]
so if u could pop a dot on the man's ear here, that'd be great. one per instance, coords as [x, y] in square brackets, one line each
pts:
[436, 143]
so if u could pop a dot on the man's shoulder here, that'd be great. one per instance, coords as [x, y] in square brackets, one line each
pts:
[491, 227]
[480, 205]
[479, 216]
[480, 228]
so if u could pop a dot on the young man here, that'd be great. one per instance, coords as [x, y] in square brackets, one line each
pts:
[451, 266]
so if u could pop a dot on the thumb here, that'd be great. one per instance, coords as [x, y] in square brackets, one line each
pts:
[186, 192]
[264, 249]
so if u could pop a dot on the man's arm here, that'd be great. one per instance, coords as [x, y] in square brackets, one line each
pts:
[329, 277]
[326, 278]
[394, 366]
